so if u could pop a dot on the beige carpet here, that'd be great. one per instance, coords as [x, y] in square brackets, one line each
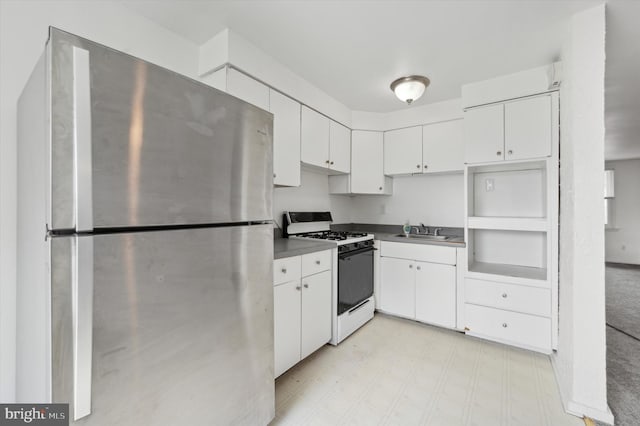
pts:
[399, 372]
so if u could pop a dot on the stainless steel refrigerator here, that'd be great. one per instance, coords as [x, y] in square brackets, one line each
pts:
[145, 243]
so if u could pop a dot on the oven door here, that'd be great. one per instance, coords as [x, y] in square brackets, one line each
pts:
[355, 278]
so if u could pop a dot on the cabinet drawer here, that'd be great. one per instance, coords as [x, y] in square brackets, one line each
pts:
[313, 263]
[286, 269]
[529, 300]
[523, 330]
[421, 252]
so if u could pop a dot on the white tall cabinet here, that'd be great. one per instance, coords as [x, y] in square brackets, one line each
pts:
[325, 143]
[511, 230]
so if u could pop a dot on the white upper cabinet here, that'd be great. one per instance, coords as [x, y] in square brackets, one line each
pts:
[484, 134]
[286, 139]
[325, 143]
[403, 151]
[315, 138]
[367, 176]
[515, 130]
[527, 128]
[443, 147]
[247, 89]
[339, 147]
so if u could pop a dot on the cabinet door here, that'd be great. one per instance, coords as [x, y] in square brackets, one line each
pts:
[443, 147]
[339, 147]
[527, 128]
[403, 151]
[286, 139]
[398, 287]
[367, 176]
[247, 89]
[436, 294]
[314, 147]
[484, 134]
[286, 325]
[316, 312]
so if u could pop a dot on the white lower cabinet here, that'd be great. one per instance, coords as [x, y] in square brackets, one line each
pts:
[316, 312]
[398, 287]
[436, 294]
[302, 308]
[419, 287]
[509, 313]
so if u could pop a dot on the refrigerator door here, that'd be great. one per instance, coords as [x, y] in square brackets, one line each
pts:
[134, 144]
[182, 326]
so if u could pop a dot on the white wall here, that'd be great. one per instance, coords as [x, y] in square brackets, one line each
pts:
[23, 33]
[311, 195]
[580, 362]
[435, 200]
[623, 238]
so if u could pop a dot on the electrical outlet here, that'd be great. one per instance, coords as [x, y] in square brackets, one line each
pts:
[488, 185]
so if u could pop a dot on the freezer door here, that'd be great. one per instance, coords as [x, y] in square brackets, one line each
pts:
[181, 326]
[134, 144]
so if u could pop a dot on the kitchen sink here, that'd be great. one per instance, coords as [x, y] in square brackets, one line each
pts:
[425, 237]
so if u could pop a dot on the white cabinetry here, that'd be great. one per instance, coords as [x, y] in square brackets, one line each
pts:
[286, 137]
[511, 273]
[286, 123]
[432, 148]
[419, 282]
[302, 307]
[367, 175]
[325, 143]
[513, 130]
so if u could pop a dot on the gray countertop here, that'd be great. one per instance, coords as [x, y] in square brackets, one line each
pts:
[284, 247]
[452, 242]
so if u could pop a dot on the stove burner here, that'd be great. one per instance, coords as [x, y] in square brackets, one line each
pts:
[333, 235]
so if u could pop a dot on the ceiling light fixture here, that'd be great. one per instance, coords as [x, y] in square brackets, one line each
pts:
[409, 89]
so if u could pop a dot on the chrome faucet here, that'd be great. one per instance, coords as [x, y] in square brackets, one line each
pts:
[424, 228]
[436, 232]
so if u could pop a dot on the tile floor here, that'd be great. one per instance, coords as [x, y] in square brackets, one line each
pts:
[399, 372]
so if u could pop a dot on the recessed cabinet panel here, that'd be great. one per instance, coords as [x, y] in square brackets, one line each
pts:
[339, 147]
[398, 287]
[367, 175]
[286, 139]
[286, 323]
[314, 149]
[484, 134]
[443, 147]
[436, 294]
[247, 89]
[403, 151]
[316, 312]
[527, 127]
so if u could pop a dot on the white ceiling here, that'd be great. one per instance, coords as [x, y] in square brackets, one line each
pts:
[352, 50]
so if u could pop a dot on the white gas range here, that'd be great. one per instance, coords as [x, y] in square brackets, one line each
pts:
[352, 294]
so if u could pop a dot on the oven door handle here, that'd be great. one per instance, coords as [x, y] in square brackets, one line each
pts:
[345, 255]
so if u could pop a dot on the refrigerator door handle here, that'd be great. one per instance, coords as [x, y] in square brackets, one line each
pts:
[82, 308]
[82, 176]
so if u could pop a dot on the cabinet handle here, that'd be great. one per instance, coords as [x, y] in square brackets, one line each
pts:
[418, 268]
[317, 262]
[274, 175]
[284, 270]
[510, 152]
[504, 295]
[410, 266]
[417, 166]
[380, 188]
[425, 166]
[298, 287]
[306, 285]
[327, 161]
[331, 163]
[504, 325]
[499, 153]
